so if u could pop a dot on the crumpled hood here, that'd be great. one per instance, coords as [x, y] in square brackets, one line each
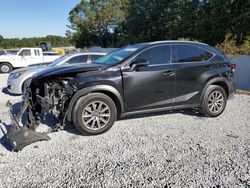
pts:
[66, 69]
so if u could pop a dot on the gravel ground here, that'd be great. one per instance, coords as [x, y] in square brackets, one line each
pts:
[172, 149]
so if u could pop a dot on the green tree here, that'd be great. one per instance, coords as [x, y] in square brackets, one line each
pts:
[96, 22]
[57, 41]
[204, 20]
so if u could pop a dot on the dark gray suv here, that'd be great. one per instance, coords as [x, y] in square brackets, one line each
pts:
[138, 78]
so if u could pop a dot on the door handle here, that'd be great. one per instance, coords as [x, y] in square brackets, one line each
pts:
[169, 73]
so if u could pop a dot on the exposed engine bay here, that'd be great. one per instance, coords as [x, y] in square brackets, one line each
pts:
[51, 95]
[39, 98]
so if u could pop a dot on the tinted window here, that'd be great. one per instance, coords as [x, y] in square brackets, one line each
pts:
[187, 53]
[117, 56]
[59, 60]
[157, 55]
[78, 59]
[218, 58]
[25, 53]
[207, 55]
[94, 57]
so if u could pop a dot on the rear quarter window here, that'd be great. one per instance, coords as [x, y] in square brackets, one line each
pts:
[189, 53]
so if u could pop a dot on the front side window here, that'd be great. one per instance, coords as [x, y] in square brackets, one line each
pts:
[59, 60]
[157, 55]
[188, 53]
[95, 57]
[78, 59]
[25, 53]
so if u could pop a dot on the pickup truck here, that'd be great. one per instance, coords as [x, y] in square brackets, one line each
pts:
[24, 58]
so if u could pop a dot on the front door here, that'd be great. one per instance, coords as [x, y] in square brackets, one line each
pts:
[26, 57]
[150, 86]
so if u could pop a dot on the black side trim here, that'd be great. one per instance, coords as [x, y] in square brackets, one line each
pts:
[160, 109]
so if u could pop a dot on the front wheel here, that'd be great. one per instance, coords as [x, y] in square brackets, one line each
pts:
[5, 68]
[94, 114]
[214, 101]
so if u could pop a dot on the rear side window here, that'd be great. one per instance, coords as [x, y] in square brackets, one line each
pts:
[37, 53]
[78, 59]
[25, 53]
[188, 53]
[94, 57]
[157, 55]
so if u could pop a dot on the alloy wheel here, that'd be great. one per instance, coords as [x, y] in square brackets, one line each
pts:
[216, 102]
[96, 115]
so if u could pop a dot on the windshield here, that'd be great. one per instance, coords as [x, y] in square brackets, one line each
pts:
[59, 60]
[117, 56]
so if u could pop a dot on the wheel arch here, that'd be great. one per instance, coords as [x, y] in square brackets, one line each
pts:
[108, 90]
[7, 62]
[221, 81]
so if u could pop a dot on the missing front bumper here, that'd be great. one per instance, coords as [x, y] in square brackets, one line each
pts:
[21, 136]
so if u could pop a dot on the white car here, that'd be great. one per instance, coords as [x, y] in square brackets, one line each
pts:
[24, 58]
[18, 78]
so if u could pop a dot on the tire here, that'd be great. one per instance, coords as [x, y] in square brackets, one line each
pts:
[84, 111]
[6, 68]
[214, 101]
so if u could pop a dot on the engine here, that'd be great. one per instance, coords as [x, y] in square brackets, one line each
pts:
[54, 96]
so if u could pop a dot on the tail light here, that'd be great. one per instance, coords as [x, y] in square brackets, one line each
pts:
[233, 66]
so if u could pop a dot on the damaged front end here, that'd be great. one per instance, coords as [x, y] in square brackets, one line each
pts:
[21, 136]
[41, 96]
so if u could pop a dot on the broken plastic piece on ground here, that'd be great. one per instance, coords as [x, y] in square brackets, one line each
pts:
[21, 137]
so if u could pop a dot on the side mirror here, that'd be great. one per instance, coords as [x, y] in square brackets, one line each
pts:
[140, 62]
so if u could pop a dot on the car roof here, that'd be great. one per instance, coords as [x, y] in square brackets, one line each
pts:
[89, 53]
[173, 42]
[86, 53]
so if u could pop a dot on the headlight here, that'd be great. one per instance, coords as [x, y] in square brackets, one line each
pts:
[17, 74]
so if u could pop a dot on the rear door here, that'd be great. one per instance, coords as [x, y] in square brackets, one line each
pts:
[150, 86]
[192, 65]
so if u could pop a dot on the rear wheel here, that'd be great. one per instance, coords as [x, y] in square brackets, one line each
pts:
[94, 114]
[5, 68]
[214, 101]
